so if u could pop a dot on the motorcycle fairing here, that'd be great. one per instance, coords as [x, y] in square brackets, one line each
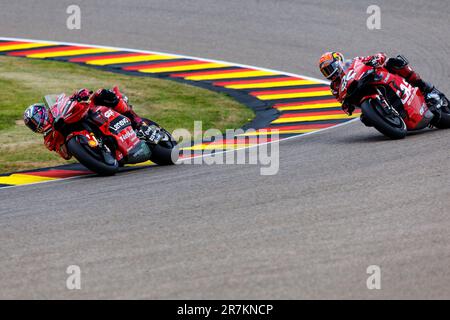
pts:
[119, 127]
[417, 116]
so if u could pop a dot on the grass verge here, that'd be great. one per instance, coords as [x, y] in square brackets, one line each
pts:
[173, 105]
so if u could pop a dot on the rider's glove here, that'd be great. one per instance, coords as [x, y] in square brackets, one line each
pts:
[376, 60]
[81, 95]
[334, 92]
[348, 109]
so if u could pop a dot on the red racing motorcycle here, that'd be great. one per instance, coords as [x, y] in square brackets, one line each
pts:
[102, 139]
[388, 102]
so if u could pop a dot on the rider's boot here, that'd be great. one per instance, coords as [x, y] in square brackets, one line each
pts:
[150, 133]
[433, 97]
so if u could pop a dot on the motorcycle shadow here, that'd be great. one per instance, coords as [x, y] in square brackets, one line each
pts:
[374, 136]
[87, 174]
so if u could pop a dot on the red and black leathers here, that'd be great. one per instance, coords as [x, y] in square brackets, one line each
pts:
[114, 99]
[398, 65]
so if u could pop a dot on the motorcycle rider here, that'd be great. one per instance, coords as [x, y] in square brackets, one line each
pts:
[36, 117]
[333, 66]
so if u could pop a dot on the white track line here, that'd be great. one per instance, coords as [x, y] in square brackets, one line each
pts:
[195, 58]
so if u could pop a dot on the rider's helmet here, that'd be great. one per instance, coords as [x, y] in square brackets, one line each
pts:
[331, 65]
[36, 117]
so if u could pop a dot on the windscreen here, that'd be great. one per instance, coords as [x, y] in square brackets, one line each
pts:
[50, 101]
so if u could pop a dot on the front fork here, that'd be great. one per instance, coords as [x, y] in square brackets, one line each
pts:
[386, 105]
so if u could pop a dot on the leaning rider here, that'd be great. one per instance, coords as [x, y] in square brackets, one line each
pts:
[333, 67]
[36, 116]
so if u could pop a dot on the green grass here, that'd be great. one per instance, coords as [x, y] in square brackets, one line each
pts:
[173, 105]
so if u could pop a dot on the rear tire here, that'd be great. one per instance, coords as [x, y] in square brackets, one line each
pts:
[444, 121]
[78, 150]
[393, 127]
[165, 153]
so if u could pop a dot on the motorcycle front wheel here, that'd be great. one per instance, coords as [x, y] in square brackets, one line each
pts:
[385, 121]
[91, 159]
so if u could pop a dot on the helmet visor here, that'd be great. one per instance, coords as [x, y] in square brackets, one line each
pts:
[41, 118]
[37, 119]
[332, 69]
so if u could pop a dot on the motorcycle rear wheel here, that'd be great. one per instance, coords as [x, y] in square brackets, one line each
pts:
[165, 153]
[85, 157]
[391, 125]
[443, 122]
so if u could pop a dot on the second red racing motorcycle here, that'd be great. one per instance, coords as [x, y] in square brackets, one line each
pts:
[388, 102]
[102, 139]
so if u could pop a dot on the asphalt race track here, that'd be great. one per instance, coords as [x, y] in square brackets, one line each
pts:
[344, 199]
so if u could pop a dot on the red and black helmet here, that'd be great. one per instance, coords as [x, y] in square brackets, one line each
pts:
[36, 117]
[331, 64]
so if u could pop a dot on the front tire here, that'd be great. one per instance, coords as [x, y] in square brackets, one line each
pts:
[389, 124]
[87, 159]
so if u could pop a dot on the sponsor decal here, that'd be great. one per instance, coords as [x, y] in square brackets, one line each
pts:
[109, 113]
[413, 95]
[119, 123]
[349, 76]
[127, 135]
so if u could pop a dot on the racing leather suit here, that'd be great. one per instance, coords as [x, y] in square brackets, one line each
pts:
[398, 65]
[54, 140]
